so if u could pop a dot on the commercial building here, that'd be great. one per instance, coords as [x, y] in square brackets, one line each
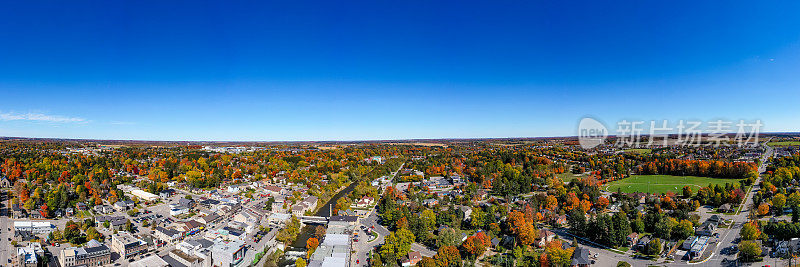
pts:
[34, 227]
[335, 248]
[93, 254]
[228, 253]
[127, 245]
[144, 195]
[150, 261]
[29, 256]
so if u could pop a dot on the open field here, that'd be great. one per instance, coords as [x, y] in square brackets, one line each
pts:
[784, 143]
[663, 183]
[639, 151]
[568, 176]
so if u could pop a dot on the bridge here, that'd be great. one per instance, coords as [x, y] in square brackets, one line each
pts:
[313, 219]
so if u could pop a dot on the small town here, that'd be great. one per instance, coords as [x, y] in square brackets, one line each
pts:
[512, 202]
[399, 133]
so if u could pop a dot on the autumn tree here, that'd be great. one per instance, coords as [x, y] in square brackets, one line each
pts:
[312, 243]
[526, 233]
[558, 256]
[763, 209]
[750, 231]
[447, 257]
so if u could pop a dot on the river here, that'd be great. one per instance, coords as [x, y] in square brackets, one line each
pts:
[307, 232]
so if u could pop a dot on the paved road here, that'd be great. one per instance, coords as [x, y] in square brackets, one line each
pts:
[730, 235]
[5, 225]
[363, 247]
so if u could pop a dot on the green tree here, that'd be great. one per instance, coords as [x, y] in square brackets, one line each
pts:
[637, 225]
[128, 226]
[397, 244]
[92, 233]
[654, 247]
[623, 264]
[29, 205]
[477, 220]
[448, 237]
[749, 251]
[687, 192]
[683, 230]
[750, 231]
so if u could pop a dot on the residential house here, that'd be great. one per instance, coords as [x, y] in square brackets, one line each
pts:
[706, 229]
[544, 237]
[412, 258]
[632, 238]
[4, 182]
[167, 193]
[466, 211]
[103, 209]
[725, 208]
[642, 242]
[580, 258]
[124, 205]
[116, 222]
[189, 203]
[561, 220]
[365, 201]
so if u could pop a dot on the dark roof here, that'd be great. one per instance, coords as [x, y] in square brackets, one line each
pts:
[205, 242]
[580, 256]
[168, 232]
[95, 249]
[210, 217]
[209, 202]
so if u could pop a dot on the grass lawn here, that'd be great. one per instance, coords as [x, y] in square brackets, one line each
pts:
[784, 143]
[84, 214]
[639, 150]
[568, 176]
[660, 184]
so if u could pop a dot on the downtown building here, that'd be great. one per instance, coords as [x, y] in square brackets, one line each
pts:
[91, 255]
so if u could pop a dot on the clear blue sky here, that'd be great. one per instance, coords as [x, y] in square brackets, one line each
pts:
[328, 70]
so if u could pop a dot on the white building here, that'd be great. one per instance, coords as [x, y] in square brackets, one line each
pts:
[147, 196]
[151, 261]
[228, 253]
[34, 227]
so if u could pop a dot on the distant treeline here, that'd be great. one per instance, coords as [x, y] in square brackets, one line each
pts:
[703, 168]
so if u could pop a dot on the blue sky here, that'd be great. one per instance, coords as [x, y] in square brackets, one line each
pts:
[325, 70]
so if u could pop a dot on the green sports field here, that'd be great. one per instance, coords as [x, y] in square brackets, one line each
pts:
[663, 183]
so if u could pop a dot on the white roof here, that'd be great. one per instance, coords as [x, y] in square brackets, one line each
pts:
[144, 194]
[336, 240]
[152, 261]
[32, 224]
